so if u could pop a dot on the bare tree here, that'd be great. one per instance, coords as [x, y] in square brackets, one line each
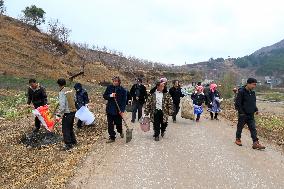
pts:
[58, 31]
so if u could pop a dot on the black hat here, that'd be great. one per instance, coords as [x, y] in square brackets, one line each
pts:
[251, 80]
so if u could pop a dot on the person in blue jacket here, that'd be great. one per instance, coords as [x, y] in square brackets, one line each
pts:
[82, 99]
[114, 116]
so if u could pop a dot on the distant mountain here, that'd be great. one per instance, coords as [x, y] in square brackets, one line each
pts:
[268, 61]
[266, 50]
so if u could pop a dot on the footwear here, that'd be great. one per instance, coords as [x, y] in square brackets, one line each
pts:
[67, 147]
[256, 145]
[110, 141]
[216, 118]
[74, 143]
[132, 121]
[212, 118]
[122, 135]
[197, 120]
[36, 130]
[174, 121]
[156, 139]
[162, 134]
[238, 142]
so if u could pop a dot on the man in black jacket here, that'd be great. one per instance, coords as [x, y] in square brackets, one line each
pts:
[115, 93]
[245, 104]
[139, 95]
[37, 96]
[176, 94]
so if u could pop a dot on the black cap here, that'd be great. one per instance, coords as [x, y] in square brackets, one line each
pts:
[251, 80]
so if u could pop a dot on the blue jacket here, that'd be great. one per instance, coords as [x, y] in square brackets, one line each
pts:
[121, 97]
[81, 96]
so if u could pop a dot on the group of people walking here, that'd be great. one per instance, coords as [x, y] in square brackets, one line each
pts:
[160, 103]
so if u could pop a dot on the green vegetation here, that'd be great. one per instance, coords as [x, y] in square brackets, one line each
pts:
[34, 15]
[278, 97]
[271, 127]
[10, 106]
[267, 64]
[18, 83]
[227, 84]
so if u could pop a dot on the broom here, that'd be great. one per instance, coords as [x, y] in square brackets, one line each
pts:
[128, 130]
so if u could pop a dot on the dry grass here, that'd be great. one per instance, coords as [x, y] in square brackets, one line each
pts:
[48, 166]
[269, 126]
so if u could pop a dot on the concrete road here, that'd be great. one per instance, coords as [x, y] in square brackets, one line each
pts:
[191, 155]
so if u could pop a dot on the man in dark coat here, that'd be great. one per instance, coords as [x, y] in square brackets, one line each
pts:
[36, 96]
[139, 95]
[245, 104]
[82, 99]
[115, 93]
[176, 95]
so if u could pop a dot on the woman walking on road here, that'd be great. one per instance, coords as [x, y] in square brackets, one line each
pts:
[160, 106]
[213, 102]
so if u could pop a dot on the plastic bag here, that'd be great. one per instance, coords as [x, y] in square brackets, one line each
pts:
[45, 117]
[145, 124]
[85, 115]
[187, 108]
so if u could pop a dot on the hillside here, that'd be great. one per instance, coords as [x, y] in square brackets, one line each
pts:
[27, 52]
[268, 61]
[35, 54]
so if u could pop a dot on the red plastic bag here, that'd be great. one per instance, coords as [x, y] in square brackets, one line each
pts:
[45, 117]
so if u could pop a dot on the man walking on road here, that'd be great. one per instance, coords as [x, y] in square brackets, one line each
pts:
[139, 95]
[176, 94]
[115, 93]
[159, 106]
[245, 104]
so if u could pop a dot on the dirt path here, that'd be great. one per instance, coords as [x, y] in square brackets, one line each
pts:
[191, 155]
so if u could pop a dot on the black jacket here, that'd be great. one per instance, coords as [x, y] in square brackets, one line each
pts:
[176, 94]
[198, 99]
[246, 101]
[81, 96]
[140, 91]
[37, 96]
[210, 97]
[121, 97]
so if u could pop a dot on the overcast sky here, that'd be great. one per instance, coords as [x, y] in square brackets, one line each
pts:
[168, 31]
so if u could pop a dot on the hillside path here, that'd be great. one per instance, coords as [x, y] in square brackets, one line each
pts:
[191, 155]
